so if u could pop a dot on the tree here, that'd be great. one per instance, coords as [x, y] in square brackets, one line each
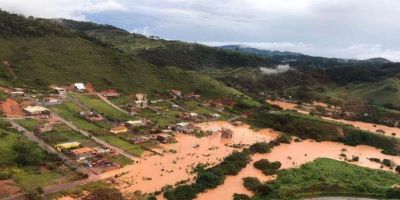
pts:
[27, 154]
[105, 194]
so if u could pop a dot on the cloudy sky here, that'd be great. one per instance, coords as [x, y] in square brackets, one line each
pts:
[334, 28]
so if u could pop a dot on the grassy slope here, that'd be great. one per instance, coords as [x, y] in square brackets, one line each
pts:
[378, 93]
[329, 177]
[28, 176]
[40, 61]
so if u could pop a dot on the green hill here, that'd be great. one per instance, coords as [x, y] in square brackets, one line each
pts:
[166, 53]
[383, 93]
[39, 52]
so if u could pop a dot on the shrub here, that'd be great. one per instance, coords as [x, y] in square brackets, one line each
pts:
[182, 192]
[260, 147]
[397, 168]
[105, 194]
[241, 197]
[393, 193]
[387, 162]
[251, 183]
[267, 167]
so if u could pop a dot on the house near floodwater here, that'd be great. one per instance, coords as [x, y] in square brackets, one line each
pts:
[110, 93]
[82, 153]
[37, 111]
[119, 129]
[226, 133]
[164, 138]
[139, 139]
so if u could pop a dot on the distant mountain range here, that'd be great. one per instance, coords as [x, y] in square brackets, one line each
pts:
[301, 59]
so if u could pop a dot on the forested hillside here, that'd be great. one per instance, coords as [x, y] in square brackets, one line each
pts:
[39, 52]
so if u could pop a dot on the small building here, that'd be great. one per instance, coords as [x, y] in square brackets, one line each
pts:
[80, 87]
[82, 153]
[119, 129]
[91, 116]
[226, 133]
[59, 90]
[141, 100]
[139, 139]
[110, 93]
[101, 150]
[192, 95]
[67, 145]
[36, 110]
[50, 99]
[215, 116]
[43, 128]
[175, 94]
[134, 123]
[17, 93]
[164, 138]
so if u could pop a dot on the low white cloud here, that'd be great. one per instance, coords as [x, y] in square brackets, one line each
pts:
[278, 69]
[145, 30]
[71, 9]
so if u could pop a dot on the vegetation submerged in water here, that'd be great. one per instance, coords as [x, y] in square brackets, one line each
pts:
[309, 127]
[330, 177]
[211, 177]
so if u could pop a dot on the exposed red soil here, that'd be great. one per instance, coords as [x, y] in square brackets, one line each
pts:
[8, 187]
[11, 108]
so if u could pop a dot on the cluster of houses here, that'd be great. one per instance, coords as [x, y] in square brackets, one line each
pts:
[93, 157]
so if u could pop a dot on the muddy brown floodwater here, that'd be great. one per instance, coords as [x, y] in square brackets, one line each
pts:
[155, 171]
[361, 125]
[294, 155]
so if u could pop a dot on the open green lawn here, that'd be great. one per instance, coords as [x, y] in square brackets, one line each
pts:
[29, 124]
[62, 133]
[330, 177]
[70, 112]
[30, 175]
[101, 107]
[158, 119]
[121, 160]
[134, 149]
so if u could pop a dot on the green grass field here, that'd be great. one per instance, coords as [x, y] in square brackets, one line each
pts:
[30, 176]
[325, 177]
[29, 124]
[133, 149]
[101, 107]
[62, 133]
[70, 112]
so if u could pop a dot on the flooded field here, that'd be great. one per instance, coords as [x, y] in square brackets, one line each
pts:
[361, 125]
[178, 159]
[294, 155]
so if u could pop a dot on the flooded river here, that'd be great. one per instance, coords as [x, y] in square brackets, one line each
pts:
[153, 172]
[294, 155]
[361, 125]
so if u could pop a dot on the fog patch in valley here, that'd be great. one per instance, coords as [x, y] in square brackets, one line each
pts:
[278, 69]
